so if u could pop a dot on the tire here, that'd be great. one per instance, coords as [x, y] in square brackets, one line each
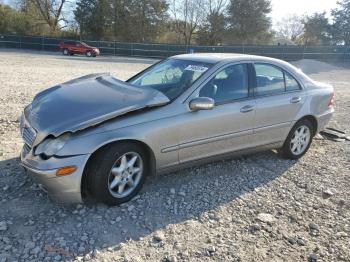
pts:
[100, 177]
[88, 54]
[294, 142]
[65, 51]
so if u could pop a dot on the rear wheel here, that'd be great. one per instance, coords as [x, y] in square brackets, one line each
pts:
[298, 141]
[65, 51]
[117, 173]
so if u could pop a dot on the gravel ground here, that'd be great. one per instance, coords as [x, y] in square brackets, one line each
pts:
[254, 208]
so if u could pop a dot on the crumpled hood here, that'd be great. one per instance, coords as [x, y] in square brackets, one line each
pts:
[85, 102]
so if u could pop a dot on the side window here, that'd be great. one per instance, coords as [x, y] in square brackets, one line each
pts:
[291, 83]
[269, 80]
[229, 84]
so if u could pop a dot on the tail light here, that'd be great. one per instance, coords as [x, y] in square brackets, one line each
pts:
[332, 100]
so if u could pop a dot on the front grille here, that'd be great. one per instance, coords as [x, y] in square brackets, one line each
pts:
[28, 133]
[26, 150]
[28, 136]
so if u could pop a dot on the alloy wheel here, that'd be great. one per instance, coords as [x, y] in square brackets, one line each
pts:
[125, 175]
[300, 140]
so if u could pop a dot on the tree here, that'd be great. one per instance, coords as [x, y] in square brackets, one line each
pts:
[51, 12]
[341, 25]
[317, 30]
[145, 19]
[187, 16]
[93, 18]
[290, 27]
[213, 29]
[249, 22]
[14, 21]
[121, 20]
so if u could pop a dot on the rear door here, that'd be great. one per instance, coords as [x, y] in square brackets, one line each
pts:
[226, 128]
[279, 98]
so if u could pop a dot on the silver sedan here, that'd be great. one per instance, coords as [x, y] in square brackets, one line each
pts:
[97, 137]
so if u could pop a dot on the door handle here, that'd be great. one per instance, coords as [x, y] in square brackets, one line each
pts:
[295, 100]
[247, 108]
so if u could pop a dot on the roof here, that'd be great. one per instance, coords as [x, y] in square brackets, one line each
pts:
[231, 57]
[218, 57]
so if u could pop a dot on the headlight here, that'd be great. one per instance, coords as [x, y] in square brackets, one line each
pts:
[51, 146]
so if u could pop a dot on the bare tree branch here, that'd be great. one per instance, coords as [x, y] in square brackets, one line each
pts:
[51, 12]
[290, 27]
[187, 15]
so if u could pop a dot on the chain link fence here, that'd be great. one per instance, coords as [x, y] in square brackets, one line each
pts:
[285, 52]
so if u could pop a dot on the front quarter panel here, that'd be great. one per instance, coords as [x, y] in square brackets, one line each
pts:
[159, 135]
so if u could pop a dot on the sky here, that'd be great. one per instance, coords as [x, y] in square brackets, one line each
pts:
[283, 8]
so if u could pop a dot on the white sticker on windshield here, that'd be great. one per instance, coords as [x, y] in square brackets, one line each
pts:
[195, 68]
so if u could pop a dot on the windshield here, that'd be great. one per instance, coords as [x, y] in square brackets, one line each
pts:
[171, 77]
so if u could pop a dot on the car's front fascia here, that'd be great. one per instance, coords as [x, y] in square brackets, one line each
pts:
[143, 127]
[61, 188]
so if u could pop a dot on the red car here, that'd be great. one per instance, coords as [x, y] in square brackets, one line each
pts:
[77, 47]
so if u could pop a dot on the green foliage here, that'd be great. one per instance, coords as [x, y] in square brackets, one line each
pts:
[13, 22]
[121, 20]
[93, 18]
[249, 22]
[213, 29]
[317, 30]
[23, 21]
[205, 22]
[341, 26]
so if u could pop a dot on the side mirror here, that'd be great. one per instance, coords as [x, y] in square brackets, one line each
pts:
[202, 103]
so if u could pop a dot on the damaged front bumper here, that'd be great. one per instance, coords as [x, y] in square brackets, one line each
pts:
[65, 189]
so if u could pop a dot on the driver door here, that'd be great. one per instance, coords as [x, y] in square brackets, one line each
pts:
[229, 125]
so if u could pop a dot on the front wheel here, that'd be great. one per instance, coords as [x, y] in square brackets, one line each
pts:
[298, 141]
[117, 173]
[88, 54]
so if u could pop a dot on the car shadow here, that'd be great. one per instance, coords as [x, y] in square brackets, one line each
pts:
[71, 230]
